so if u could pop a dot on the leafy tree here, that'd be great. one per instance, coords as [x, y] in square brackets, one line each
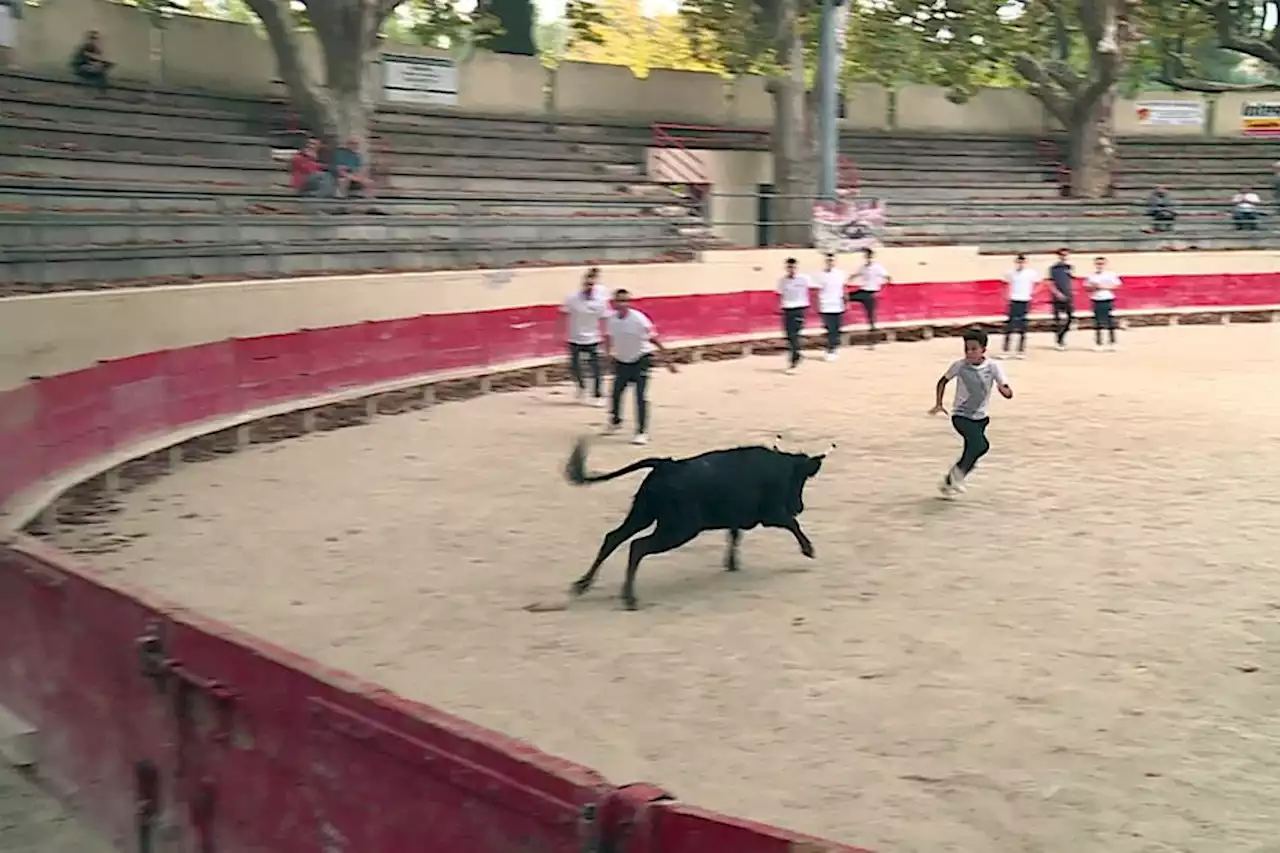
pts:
[629, 37]
[515, 19]
[1240, 28]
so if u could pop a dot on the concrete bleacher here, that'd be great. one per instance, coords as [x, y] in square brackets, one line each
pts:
[160, 185]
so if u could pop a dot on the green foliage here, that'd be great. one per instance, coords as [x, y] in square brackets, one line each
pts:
[624, 35]
[515, 26]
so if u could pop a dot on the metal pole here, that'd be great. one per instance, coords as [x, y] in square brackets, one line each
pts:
[828, 74]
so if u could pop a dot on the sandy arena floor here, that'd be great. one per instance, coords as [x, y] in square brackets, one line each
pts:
[1081, 654]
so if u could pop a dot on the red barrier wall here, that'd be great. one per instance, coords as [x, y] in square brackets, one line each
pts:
[164, 723]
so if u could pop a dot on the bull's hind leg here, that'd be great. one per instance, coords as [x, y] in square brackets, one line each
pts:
[637, 520]
[665, 538]
[731, 553]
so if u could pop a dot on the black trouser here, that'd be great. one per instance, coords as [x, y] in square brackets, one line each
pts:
[1103, 319]
[1245, 220]
[1063, 314]
[632, 373]
[867, 299]
[974, 433]
[94, 75]
[1017, 322]
[592, 352]
[792, 325]
[832, 322]
[1163, 220]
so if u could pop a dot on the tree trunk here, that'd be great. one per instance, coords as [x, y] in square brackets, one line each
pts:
[795, 153]
[1091, 152]
[339, 108]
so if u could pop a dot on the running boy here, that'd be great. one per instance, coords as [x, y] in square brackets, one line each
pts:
[978, 375]
[1102, 286]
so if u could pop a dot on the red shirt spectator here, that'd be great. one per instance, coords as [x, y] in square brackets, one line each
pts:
[307, 175]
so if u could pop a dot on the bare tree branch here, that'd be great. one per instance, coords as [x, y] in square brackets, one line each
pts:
[1043, 87]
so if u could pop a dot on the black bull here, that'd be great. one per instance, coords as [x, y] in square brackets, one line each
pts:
[733, 490]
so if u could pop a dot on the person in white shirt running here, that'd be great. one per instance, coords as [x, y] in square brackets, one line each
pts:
[830, 285]
[871, 278]
[1022, 282]
[583, 312]
[793, 299]
[1102, 285]
[631, 339]
[977, 375]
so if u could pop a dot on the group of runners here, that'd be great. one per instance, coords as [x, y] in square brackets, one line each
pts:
[630, 338]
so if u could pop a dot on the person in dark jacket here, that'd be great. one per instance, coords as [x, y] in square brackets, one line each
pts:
[1160, 210]
[1060, 288]
[89, 63]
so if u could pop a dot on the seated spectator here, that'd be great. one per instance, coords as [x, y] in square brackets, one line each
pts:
[1244, 210]
[307, 174]
[1160, 210]
[89, 63]
[349, 169]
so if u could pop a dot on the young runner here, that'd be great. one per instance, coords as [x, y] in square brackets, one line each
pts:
[584, 310]
[871, 278]
[830, 288]
[793, 300]
[1060, 281]
[631, 339]
[1022, 282]
[978, 375]
[1102, 285]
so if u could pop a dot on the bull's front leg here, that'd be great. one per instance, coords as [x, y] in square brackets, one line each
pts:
[731, 552]
[793, 525]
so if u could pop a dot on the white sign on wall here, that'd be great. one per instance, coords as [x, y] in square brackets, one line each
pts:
[1170, 113]
[408, 79]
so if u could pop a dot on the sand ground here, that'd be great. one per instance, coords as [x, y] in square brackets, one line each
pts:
[32, 821]
[1081, 654]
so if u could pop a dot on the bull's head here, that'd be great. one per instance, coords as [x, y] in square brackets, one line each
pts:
[804, 467]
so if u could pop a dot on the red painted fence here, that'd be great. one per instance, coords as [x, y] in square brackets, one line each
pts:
[169, 726]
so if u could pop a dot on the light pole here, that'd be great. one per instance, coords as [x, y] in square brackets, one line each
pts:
[828, 77]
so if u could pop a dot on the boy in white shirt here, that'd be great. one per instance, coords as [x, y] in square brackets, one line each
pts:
[872, 278]
[793, 299]
[1022, 282]
[1244, 210]
[1102, 285]
[583, 312]
[632, 339]
[978, 375]
[830, 286]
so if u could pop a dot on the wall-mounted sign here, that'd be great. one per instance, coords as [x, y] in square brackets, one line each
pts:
[1260, 118]
[1170, 113]
[409, 79]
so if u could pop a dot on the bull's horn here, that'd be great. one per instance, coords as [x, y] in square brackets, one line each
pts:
[777, 440]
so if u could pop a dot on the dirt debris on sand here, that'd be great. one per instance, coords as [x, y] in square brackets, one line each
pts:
[1079, 654]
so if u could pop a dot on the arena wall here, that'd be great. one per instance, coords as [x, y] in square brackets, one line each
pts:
[162, 724]
[221, 56]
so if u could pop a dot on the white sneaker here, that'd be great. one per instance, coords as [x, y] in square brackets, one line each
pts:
[1112, 348]
[598, 402]
[957, 480]
[1000, 356]
[829, 357]
[641, 438]
[578, 394]
[1060, 347]
[790, 371]
[946, 489]
[1019, 355]
[1097, 347]
[612, 429]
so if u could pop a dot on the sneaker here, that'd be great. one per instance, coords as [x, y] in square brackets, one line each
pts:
[1097, 347]
[1000, 356]
[577, 394]
[790, 371]
[1112, 348]
[612, 429]
[1019, 355]
[641, 438]
[946, 489]
[1060, 347]
[598, 402]
[956, 480]
[829, 357]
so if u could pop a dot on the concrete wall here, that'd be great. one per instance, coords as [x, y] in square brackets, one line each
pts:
[57, 333]
[222, 56]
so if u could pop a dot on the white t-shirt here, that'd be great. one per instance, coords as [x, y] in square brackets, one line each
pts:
[973, 391]
[1246, 201]
[1022, 283]
[830, 285]
[585, 314]
[872, 277]
[1107, 283]
[630, 337]
[795, 291]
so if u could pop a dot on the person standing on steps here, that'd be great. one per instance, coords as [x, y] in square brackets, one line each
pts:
[631, 339]
[830, 286]
[1060, 284]
[1102, 285]
[1021, 284]
[793, 300]
[871, 278]
[584, 310]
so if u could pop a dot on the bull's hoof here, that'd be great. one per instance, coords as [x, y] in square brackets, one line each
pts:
[807, 550]
[731, 567]
[579, 587]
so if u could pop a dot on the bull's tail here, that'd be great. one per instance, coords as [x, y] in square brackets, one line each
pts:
[575, 470]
